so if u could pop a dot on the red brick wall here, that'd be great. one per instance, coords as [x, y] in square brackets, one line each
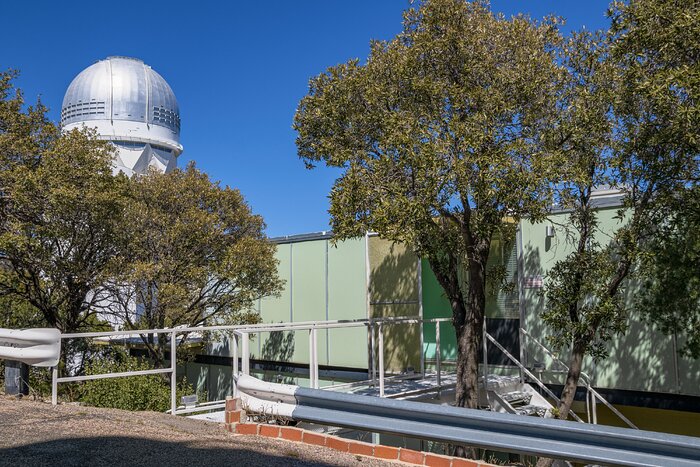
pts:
[235, 423]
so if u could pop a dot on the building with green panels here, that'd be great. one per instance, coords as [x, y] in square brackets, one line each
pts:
[370, 277]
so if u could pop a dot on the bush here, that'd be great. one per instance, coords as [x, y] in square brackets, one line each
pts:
[147, 392]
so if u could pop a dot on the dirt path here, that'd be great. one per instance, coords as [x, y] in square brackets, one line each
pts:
[35, 433]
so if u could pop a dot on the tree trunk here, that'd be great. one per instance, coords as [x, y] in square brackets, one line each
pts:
[469, 339]
[569, 391]
[572, 378]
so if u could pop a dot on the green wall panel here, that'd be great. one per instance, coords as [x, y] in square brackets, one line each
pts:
[311, 270]
[347, 299]
[394, 292]
[436, 305]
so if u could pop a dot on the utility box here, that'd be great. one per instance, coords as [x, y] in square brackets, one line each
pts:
[16, 377]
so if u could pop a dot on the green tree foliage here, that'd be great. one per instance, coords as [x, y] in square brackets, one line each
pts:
[657, 51]
[440, 136]
[670, 295]
[195, 253]
[641, 85]
[584, 305]
[59, 211]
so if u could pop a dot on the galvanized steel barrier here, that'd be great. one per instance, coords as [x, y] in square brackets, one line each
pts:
[498, 431]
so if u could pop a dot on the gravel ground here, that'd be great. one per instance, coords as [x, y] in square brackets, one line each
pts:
[35, 433]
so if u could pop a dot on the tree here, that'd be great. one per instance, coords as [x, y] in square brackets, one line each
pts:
[584, 304]
[647, 148]
[195, 253]
[658, 51]
[440, 136]
[59, 209]
[670, 293]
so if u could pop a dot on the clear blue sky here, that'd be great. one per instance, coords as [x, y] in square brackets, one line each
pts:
[238, 70]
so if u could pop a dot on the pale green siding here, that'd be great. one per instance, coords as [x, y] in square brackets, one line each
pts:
[642, 360]
[347, 299]
[322, 281]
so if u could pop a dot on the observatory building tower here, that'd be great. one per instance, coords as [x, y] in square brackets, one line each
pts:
[130, 105]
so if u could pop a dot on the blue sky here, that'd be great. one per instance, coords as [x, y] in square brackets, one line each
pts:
[238, 70]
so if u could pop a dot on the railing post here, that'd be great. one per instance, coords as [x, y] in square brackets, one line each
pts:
[381, 360]
[234, 376]
[588, 404]
[173, 374]
[594, 409]
[438, 357]
[313, 358]
[373, 377]
[486, 361]
[54, 385]
[245, 353]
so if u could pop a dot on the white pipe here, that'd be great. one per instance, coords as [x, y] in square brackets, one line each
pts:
[381, 360]
[173, 375]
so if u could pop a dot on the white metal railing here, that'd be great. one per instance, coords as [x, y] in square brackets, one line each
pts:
[591, 394]
[242, 333]
[377, 378]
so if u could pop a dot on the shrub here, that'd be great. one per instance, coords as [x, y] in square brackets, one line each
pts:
[147, 392]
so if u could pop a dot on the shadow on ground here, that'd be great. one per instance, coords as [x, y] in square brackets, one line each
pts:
[133, 451]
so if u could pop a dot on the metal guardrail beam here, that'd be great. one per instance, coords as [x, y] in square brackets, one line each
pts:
[504, 432]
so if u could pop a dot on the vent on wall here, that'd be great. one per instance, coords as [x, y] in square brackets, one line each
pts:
[82, 109]
[167, 117]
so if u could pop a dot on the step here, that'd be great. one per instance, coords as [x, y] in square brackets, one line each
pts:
[517, 397]
[531, 410]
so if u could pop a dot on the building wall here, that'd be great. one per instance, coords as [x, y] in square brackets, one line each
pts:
[502, 313]
[323, 281]
[394, 292]
[642, 359]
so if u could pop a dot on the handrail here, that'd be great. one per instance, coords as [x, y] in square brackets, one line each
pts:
[580, 442]
[529, 373]
[586, 380]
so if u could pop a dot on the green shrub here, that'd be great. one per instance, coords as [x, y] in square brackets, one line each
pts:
[147, 392]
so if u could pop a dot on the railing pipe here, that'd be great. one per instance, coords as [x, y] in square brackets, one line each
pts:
[539, 383]
[438, 357]
[234, 366]
[380, 332]
[313, 358]
[173, 375]
[245, 353]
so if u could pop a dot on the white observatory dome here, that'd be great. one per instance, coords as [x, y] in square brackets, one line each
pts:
[132, 106]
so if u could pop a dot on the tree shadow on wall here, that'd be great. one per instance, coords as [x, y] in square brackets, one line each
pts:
[394, 293]
[277, 349]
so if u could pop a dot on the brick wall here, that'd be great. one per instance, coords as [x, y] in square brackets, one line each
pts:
[235, 421]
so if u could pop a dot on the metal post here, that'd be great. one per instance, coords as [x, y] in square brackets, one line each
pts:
[313, 358]
[421, 323]
[438, 357]
[54, 385]
[372, 375]
[594, 409]
[521, 298]
[234, 345]
[589, 397]
[173, 374]
[245, 354]
[486, 362]
[381, 360]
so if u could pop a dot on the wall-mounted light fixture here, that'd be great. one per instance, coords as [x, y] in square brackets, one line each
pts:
[549, 231]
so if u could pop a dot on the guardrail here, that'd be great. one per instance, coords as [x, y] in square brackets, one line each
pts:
[503, 432]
